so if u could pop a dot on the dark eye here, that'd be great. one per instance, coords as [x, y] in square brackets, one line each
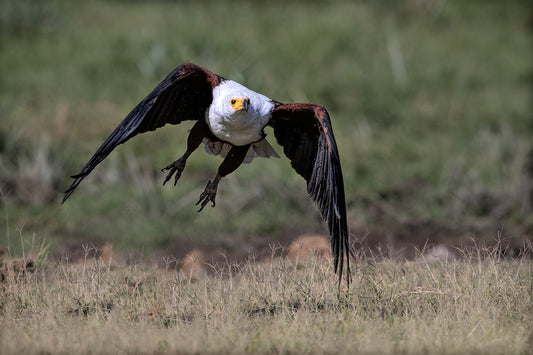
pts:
[233, 101]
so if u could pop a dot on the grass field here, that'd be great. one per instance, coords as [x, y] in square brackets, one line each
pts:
[479, 304]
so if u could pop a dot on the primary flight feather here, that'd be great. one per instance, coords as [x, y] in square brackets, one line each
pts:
[230, 121]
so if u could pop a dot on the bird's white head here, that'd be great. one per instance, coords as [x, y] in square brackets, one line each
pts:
[233, 99]
[237, 114]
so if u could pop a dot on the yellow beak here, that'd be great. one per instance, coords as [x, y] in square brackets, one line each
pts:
[240, 104]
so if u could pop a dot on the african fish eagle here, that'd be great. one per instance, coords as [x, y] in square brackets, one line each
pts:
[230, 121]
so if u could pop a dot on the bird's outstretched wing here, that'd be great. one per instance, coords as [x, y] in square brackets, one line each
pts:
[304, 131]
[184, 94]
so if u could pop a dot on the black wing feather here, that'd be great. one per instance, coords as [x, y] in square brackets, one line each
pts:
[184, 94]
[304, 131]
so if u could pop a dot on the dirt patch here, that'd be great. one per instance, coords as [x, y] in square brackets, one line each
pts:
[309, 245]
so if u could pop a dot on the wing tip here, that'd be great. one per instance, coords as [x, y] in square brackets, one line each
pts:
[77, 180]
[67, 195]
[339, 268]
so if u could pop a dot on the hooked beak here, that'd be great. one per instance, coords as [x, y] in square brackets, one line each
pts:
[245, 104]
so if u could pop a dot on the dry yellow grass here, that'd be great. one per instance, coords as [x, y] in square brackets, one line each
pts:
[480, 303]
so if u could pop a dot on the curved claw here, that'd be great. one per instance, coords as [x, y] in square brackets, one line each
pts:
[176, 167]
[208, 195]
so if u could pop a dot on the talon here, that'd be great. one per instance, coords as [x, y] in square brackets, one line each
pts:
[170, 175]
[208, 195]
[176, 167]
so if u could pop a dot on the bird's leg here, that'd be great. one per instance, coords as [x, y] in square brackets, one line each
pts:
[196, 136]
[232, 161]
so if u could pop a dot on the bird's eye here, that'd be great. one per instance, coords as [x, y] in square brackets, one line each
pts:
[233, 102]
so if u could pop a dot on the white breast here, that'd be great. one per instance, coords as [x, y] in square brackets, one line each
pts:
[238, 127]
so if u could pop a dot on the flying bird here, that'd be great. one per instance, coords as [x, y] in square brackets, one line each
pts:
[230, 122]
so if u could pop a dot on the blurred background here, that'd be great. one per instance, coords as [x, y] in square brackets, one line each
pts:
[430, 102]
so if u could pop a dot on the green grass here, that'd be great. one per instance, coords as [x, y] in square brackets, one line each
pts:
[479, 304]
[429, 102]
